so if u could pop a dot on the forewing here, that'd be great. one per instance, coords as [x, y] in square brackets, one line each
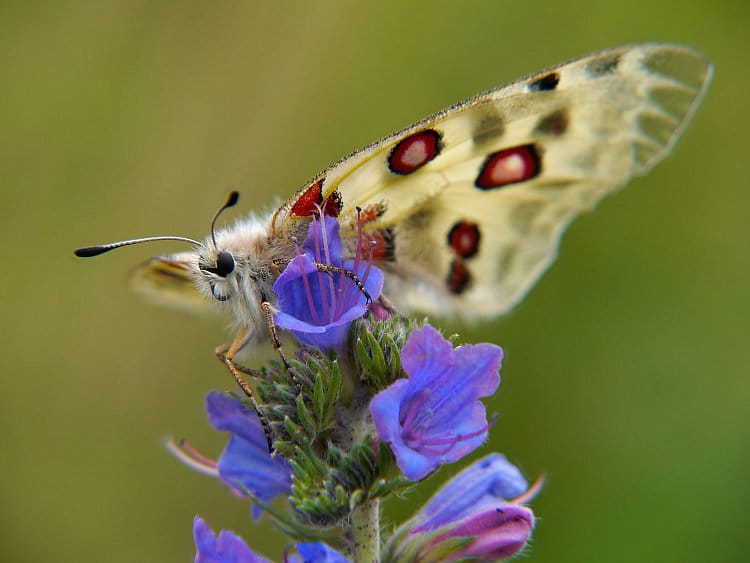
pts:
[470, 203]
[170, 281]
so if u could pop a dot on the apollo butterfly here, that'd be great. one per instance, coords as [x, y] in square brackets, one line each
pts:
[466, 207]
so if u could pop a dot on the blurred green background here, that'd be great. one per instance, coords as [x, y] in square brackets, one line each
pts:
[626, 377]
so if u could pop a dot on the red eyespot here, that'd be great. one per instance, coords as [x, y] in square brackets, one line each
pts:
[458, 277]
[371, 212]
[332, 205]
[384, 247]
[307, 203]
[311, 202]
[509, 166]
[463, 238]
[414, 152]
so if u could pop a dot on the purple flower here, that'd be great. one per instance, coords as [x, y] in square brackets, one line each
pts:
[245, 464]
[434, 416]
[319, 307]
[224, 548]
[475, 504]
[317, 552]
[488, 482]
[498, 533]
[230, 548]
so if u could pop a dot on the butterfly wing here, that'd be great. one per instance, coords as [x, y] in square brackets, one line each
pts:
[466, 207]
[170, 281]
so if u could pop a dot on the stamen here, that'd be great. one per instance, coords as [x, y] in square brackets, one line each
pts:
[191, 457]
[373, 244]
[357, 258]
[344, 298]
[306, 283]
[453, 441]
[340, 293]
[327, 253]
[415, 405]
[532, 492]
[457, 438]
[359, 238]
[321, 282]
[416, 422]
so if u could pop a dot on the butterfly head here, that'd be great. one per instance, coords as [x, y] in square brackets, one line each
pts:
[218, 264]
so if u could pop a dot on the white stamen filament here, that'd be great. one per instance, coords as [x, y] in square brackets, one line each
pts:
[327, 255]
[306, 283]
[321, 281]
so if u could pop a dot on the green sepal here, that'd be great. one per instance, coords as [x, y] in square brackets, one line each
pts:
[297, 530]
[378, 350]
[387, 461]
[383, 488]
[441, 551]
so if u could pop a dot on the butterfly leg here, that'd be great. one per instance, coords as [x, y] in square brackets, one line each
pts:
[273, 334]
[329, 269]
[226, 353]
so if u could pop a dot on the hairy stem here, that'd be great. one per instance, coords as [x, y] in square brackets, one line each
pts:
[365, 528]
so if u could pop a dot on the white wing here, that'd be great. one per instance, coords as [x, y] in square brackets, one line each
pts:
[468, 205]
[169, 281]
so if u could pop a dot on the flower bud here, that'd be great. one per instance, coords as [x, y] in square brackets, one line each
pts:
[497, 533]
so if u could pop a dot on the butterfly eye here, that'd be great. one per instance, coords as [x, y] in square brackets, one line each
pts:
[224, 264]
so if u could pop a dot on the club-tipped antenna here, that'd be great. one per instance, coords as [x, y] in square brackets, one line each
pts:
[89, 251]
[231, 201]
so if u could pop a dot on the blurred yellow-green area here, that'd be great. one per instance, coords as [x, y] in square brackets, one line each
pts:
[626, 378]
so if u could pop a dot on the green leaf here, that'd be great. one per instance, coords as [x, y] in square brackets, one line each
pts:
[294, 431]
[340, 495]
[355, 498]
[305, 418]
[284, 448]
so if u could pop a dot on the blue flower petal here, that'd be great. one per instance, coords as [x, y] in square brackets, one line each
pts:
[489, 481]
[384, 409]
[226, 548]
[469, 420]
[245, 463]
[434, 416]
[317, 307]
[318, 552]
[425, 352]
[289, 322]
[314, 243]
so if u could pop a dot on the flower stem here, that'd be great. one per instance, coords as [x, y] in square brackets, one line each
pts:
[365, 529]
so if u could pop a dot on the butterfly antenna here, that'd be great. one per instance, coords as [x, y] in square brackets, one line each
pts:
[89, 251]
[231, 201]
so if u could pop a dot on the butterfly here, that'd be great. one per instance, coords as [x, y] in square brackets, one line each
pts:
[465, 208]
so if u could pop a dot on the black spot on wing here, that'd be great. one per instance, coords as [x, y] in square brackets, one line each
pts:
[603, 66]
[489, 126]
[555, 124]
[546, 83]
